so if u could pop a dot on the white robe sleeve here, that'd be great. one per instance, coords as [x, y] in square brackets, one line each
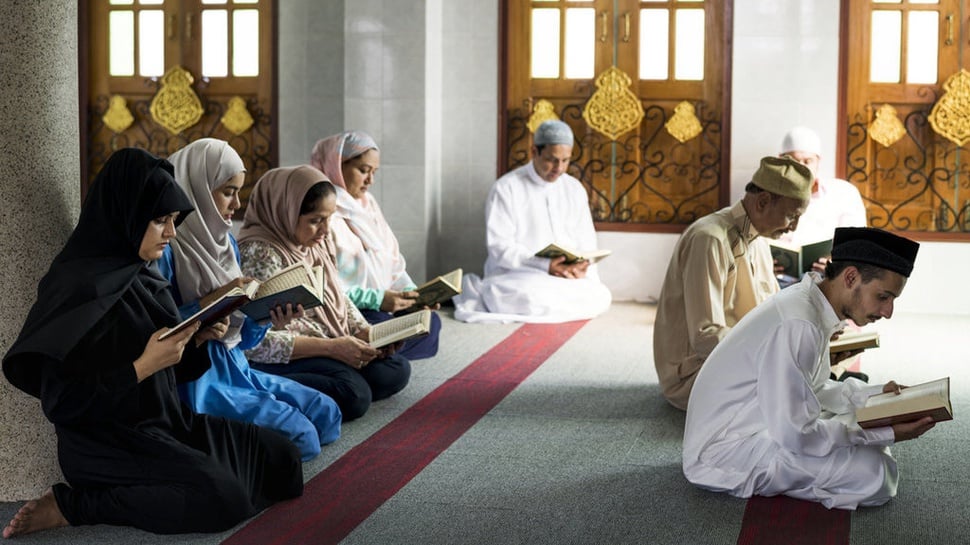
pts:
[788, 403]
[504, 250]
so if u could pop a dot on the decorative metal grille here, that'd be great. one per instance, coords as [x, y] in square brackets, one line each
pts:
[920, 183]
[646, 177]
[255, 145]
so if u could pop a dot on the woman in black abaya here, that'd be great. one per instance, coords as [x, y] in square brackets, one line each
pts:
[132, 454]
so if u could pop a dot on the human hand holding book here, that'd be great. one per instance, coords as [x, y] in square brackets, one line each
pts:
[908, 406]
[289, 288]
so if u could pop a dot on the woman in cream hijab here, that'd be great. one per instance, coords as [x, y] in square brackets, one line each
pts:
[202, 263]
[369, 260]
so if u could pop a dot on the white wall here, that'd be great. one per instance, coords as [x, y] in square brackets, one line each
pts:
[785, 73]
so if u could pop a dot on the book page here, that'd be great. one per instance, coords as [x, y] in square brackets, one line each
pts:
[453, 279]
[294, 275]
[400, 328]
[936, 389]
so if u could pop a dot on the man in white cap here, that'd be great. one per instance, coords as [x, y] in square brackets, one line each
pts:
[834, 203]
[765, 418]
[527, 209]
[721, 268]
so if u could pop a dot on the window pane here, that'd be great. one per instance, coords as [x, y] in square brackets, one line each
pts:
[215, 43]
[244, 1]
[654, 43]
[884, 58]
[545, 43]
[151, 42]
[121, 43]
[151, 2]
[213, 1]
[245, 42]
[689, 45]
[886, 1]
[121, 2]
[922, 46]
[924, 1]
[580, 42]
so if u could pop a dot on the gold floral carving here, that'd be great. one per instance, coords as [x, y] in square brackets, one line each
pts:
[237, 118]
[176, 106]
[543, 111]
[684, 125]
[886, 129]
[613, 109]
[118, 117]
[950, 116]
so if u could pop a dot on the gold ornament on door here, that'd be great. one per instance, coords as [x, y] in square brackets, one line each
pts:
[886, 129]
[543, 111]
[176, 106]
[237, 118]
[950, 117]
[118, 117]
[684, 125]
[613, 109]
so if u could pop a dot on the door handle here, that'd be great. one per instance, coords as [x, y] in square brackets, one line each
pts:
[949, 30]
[604, 29]
[626, 27]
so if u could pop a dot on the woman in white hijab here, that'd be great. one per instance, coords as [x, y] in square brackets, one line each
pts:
[369, 260]
[202, 263]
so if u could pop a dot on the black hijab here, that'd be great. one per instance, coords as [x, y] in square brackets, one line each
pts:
[99, 266]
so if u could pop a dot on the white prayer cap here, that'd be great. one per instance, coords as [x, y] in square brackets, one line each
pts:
[553, 132]
[801, 139]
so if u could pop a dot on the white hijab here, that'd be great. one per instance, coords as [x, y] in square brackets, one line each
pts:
[204, 257]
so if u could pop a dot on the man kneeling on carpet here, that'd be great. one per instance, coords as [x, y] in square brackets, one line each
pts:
[764, 418]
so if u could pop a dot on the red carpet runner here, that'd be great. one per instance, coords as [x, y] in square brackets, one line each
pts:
[344, 494]
[783, 520]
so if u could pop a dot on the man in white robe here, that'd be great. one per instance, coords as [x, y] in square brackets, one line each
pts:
[527, 209]
[834, 203]
[720, 269]
[765, 419]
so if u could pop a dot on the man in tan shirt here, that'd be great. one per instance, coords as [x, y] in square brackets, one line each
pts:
[721, 268]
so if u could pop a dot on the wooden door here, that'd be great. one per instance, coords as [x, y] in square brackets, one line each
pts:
[906, 112]
[642, 84]
[159, 74]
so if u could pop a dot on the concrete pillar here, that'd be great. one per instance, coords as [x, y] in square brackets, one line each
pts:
[39, 205]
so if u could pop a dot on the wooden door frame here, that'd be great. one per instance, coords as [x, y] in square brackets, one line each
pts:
[84, 42]
[726, 45]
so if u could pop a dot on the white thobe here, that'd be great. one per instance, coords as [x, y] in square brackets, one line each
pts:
[836, 203]
[523, 214]
[764, 418]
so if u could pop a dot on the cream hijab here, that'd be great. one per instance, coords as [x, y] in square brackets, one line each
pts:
[272, 216]
[204, 258]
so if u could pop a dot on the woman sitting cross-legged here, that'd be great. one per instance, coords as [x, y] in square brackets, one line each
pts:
[287, 222]
[369, 259]
[203, 264]
[132, 453]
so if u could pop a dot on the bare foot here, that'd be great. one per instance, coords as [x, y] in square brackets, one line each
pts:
[40, 514]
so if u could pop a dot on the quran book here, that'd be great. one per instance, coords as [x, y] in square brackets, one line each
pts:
[854, 340]
[572, 256]
[296, 285]
[214, 311]
[438, 290]
[927, 399]
[797, 260]
[400, 328]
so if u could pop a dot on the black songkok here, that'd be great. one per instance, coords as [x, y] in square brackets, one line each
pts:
[875, 247]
